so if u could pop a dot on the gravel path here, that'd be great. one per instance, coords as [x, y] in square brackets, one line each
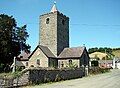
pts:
[107, 80]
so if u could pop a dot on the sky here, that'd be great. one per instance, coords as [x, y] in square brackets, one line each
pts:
[95, 23]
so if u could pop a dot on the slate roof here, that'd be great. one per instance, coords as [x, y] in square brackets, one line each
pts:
[45, 50]
[75, 52]
[19, 63]
[105, 61]
[23, 56]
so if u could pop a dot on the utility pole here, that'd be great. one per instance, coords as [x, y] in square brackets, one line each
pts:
[113, 63]
[105, 59]
[14, 65]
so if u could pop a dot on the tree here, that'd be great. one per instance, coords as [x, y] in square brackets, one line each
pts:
[12, 39]
[91, 50]
[103, 50]
[106, 50]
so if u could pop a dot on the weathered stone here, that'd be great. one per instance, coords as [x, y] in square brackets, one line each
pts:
[44, 75]
[54, 32]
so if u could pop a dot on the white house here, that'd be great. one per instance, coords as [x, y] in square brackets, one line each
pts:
[116, 63]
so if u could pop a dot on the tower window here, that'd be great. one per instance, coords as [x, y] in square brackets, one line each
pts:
[63, 22]
[47, 21]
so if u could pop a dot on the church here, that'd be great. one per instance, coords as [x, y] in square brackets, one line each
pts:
[53, 48]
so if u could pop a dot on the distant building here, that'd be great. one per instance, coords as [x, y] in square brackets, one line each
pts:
[105, 63]
[22, 60]
[100, 59]
[116, 63]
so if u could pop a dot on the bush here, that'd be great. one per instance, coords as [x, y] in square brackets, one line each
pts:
[97, 70]
[1, 67]
[72, 66]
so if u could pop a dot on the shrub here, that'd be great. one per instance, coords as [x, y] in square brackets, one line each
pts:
[97, 70]
[1, 67]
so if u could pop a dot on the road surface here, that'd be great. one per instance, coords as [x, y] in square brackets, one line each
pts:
[107, 80]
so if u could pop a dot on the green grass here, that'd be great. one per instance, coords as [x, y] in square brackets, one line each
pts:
[5, 75]
[10, 75]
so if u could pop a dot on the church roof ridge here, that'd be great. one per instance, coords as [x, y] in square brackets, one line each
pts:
[82, 47]
[45, 50]
[73, 52]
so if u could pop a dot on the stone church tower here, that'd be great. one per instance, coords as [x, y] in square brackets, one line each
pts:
[54, 31]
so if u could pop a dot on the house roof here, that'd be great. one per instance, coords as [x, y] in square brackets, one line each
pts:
[45, 50]
[74, 52]
[23, 56]
[18, 63]
[105, 61]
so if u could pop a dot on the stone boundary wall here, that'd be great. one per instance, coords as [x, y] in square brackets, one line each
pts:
[49, 75]
[10, 82]
[41, 75]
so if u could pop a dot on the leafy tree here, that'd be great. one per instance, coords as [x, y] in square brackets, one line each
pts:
[12, 39]
[91, 50]
[106, 50]
[103, 50]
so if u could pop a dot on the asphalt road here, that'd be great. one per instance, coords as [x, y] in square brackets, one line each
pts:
[107, 80]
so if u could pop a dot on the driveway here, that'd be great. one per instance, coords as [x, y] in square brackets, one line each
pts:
[107, 80]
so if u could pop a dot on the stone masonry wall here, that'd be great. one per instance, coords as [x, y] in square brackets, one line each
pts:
[48, 32]
[55, 33]
[62, 32]
[38, 55]
[44, 75]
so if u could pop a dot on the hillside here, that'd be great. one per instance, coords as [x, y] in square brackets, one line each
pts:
[99, 55]
[110, 51]
[116, 53]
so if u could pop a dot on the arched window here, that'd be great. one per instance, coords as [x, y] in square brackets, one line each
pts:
[38, 62]
[70, 62]
[47, 21]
